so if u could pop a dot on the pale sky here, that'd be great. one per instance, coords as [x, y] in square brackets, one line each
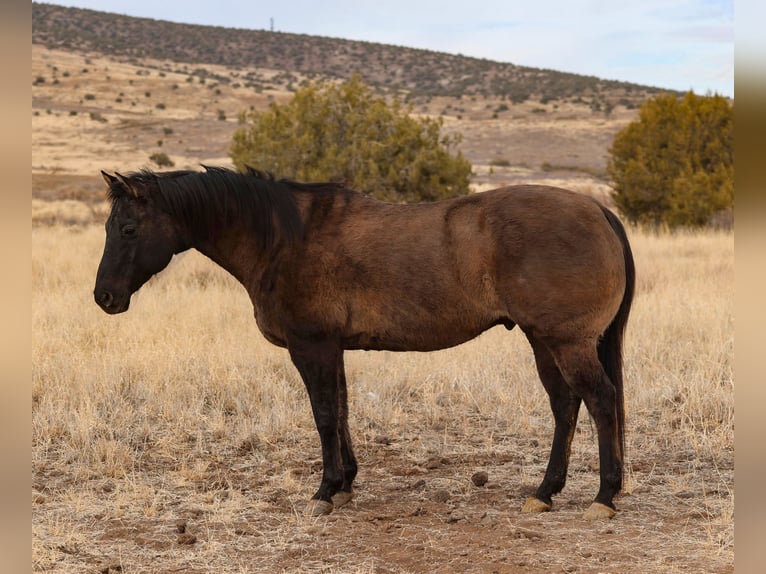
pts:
[674, 44]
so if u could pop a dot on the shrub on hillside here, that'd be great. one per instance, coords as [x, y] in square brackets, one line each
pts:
[161, 159]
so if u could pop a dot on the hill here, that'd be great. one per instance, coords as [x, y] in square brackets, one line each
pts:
[411, 71]
[111, 92]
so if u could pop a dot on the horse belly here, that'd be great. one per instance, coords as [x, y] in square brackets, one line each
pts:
[410, 326]
[410, 341]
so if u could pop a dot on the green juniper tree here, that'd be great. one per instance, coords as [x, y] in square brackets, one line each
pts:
[674, 165]
[344, 132]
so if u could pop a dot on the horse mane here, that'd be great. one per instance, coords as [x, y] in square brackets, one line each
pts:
[207, 202]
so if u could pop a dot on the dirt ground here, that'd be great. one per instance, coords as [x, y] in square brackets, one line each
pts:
[410, 514]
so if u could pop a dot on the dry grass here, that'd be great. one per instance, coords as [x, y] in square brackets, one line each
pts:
[180, 410]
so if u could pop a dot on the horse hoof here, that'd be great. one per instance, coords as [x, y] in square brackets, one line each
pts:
[318, 508]
[341, 498]
[535, 505]
[598, 511]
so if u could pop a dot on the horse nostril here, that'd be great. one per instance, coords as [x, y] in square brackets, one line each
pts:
[104, 298]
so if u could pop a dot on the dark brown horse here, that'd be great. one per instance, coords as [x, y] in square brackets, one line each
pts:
[330, 269]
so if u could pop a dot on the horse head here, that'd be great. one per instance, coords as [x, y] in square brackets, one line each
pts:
[141, 239]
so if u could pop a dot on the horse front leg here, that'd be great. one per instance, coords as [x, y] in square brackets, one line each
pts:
[346, 492]
[318, 365]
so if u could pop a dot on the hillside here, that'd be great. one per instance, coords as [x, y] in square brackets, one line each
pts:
[411, 71]
[110, 92]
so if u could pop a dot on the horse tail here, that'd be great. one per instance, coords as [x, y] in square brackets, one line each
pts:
[610, 344]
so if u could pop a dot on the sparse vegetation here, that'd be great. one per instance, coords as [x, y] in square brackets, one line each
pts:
[161, 159]
[418, 71]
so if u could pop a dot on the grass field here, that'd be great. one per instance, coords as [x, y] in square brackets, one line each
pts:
[174, 438]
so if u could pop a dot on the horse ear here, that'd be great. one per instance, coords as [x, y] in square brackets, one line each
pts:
[109, 179]
[127, 183]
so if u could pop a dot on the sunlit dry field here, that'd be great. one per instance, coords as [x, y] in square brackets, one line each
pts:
[174, 438]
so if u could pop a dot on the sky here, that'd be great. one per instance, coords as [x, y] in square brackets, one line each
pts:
[672, 44]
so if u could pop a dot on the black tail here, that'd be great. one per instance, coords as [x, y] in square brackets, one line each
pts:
[610, 345]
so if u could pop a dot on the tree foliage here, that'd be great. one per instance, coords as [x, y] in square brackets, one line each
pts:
[343, 132]
[674, 166]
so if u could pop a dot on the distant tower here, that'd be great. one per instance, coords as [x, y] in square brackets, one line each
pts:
[272, 24]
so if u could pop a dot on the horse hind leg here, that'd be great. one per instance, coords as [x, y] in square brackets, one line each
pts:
[581, 369]
[565, 406]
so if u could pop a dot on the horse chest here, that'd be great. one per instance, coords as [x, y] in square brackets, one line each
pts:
[270, 326]
[283, 319]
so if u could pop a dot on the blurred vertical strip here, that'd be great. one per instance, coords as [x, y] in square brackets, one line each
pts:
[15, 247]
[750, 306]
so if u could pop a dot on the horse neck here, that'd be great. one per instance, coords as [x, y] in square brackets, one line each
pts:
[236, 247]
[233, 250]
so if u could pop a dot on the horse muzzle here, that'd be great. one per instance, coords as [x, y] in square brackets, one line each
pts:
[109, 303]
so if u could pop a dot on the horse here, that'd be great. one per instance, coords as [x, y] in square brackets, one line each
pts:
[330, 269]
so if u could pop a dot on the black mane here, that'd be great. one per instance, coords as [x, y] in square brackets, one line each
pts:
[208, 201]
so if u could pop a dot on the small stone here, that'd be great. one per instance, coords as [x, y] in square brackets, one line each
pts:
[441, 495]
[455, 516]
[480, 478]
[527, 533]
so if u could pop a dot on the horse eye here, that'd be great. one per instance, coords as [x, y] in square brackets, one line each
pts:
[129, 230]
